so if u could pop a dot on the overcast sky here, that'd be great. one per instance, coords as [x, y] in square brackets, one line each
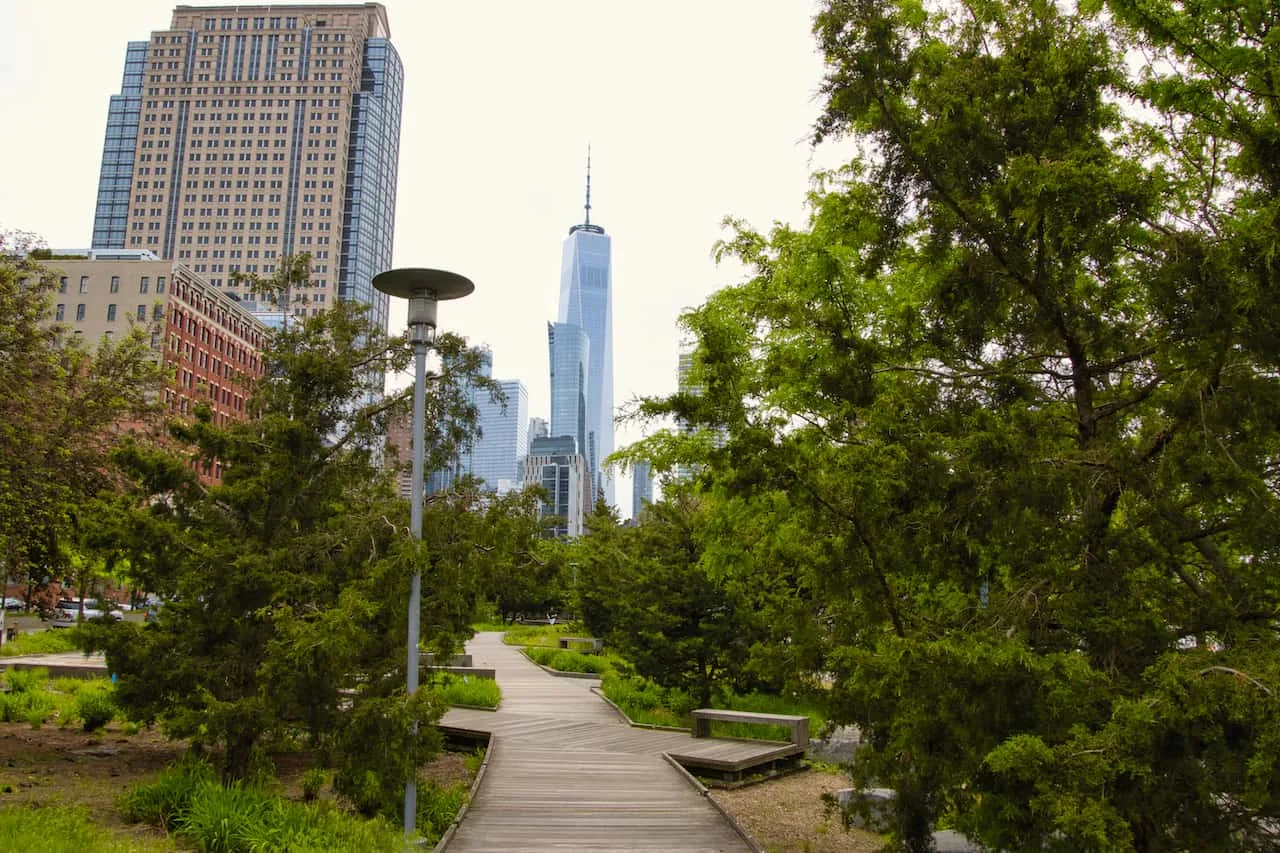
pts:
[694, 110]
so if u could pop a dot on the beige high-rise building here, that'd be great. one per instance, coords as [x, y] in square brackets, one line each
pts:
[243, 135]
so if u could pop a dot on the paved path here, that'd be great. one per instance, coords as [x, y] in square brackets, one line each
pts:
[565, 773]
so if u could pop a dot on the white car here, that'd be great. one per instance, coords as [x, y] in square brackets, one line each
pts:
[68, 615]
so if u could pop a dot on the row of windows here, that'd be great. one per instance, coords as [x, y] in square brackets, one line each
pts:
[157, 91]
[60, 313]
[144, 284]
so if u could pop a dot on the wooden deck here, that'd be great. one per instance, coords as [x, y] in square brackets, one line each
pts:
[566, 773]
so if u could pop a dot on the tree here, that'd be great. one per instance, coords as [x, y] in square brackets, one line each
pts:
[61, 403]
[1017, 378]
[286, 581]
[650, 592]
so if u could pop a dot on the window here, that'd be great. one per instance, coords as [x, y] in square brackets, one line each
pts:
[84, 284]
[115, 285]
[144, 284]
[159, 284]
[62, 284]
[157, 312]
[61, 313]
[111, 313]
[142, 312]
[80, 313]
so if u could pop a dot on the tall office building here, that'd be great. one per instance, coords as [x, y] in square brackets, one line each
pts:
[569, 353]
[245, 134]
[586, 301]
[497, 456]
[641, 487]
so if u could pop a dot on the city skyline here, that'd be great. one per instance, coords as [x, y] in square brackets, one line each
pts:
[500, 102]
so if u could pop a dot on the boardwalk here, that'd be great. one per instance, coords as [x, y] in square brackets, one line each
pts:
[567, 774]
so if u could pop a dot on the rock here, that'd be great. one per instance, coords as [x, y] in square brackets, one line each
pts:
[837, 747]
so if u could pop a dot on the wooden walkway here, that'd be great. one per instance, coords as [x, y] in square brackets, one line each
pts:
[566, 773]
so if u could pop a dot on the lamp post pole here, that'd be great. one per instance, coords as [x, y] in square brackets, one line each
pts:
[424, 288]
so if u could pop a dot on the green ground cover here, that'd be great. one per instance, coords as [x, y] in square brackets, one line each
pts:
[646, 702]
[40, 642]
[567, 661]
[539, 635]
[63, 829]
[31, 696]
[467, 690]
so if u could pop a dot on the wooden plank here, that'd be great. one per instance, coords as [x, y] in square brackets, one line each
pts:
[570, 775]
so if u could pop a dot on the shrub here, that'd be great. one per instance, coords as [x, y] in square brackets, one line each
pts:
[437, 808]
[95, 705]
[26, 680]
[567, 661]
[225, 820]
[313, 783]
[165, 801]
[467, 690]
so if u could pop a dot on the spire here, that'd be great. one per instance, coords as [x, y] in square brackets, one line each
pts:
[587, 221]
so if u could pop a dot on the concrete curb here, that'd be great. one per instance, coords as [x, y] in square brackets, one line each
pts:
[475, 788]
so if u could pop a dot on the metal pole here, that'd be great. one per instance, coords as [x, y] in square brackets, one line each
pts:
[415, 530]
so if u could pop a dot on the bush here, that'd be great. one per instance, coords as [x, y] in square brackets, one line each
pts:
[437, 808]
[165, 801]
[467, 690]
[567, 661]
[95, 705]
[187, 800]
[313, 782]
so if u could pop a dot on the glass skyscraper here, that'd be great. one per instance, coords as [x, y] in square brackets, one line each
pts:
[245, 134]
[586, 301]
[497, 456]
[569, 351]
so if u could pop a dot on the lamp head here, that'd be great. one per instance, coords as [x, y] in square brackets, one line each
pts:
[425, 289]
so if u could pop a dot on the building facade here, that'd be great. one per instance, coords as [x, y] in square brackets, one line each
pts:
[209, 343]
[641, 487]
[243, 135]
[555, 465]
[586, 301]
[568, 350]
[497, 456]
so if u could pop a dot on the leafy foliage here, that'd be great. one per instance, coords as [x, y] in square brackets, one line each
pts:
[1001, 422]
[285, 582]
[61, 400]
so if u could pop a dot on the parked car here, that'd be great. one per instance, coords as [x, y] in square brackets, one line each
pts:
[11, 603]
[68, 613]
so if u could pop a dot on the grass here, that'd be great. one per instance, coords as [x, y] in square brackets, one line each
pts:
[62, 829]
[40, 643]
[567, 661]
[35, 698]
[646, 702]
[467, 690]
[186, 800]
[538, 635]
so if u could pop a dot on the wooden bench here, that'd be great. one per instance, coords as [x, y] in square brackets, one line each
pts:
[594, 645]
[799, 725]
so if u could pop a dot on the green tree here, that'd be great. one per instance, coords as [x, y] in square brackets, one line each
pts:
[650, 592]
[61, 403]
[286, 580]
[1016, 379]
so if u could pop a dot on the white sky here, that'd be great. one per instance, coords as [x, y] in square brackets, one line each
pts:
[694, 110]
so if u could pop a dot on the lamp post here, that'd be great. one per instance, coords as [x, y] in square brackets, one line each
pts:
[424, 288]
